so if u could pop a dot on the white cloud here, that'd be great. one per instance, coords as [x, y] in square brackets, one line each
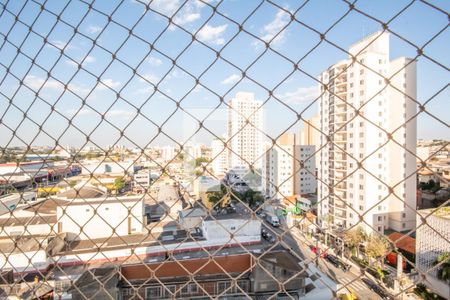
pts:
[108, 82]
[87, 60]
[212, 34]
[300, 95]
[71, 63]
[271, 29]
[150, 78]
[174, 74]
[145, 91]
[165, 7]
[36, 83]
[231, 79]
[197, 89]
[59, 44]
[82, 112]
[154, 61]
[186, 17]
[121, 113]
[93, 29]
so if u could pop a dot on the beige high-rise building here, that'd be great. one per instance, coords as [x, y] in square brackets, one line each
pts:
[310, 134]
[289, 168]
[368, 171]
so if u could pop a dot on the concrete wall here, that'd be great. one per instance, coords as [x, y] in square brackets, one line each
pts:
[92, 220]
[222, 229]
[24, 261]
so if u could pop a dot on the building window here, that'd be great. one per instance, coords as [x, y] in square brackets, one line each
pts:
[380, 219]
[379, 228]
[403, 225]
[243, 286]
[222, 286]
[185, 290]
[194, 288]
[170, 291]
[153, 292]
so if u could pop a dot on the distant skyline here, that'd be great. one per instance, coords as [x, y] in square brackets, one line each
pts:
[417, 24]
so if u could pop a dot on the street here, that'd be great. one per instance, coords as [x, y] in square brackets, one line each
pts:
[295, 241]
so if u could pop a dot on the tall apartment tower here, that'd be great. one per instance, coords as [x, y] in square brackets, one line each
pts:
[362, 115]
[219, 155]
[289, 168]
[245, 123]
[310, 134]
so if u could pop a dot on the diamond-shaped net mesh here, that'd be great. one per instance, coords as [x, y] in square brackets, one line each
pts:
[137, 164]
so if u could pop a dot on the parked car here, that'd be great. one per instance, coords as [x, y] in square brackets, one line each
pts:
[333, 260]
[337, 262]
[376, 288]
[267, 236]
[261, 213]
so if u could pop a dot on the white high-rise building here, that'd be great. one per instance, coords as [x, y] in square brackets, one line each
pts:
[245, 124]
[168, 153]
[289, 168]
[362, 115]
[219, 156]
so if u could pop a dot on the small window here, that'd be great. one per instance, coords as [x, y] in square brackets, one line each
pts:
[153, 292]
[194, 288]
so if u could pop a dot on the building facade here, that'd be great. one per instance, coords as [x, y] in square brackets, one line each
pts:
[362, 115]
[219, 156]
[231, 276]
[289, 168]
[245, 125]
[432, 240]
[142, 180]
[90, 214]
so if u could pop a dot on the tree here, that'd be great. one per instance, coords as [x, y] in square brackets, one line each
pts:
[251, 197]
[119, 183]
[443, 260]
[377, 247]
[200, 160]
[353, 238]
[216, 196]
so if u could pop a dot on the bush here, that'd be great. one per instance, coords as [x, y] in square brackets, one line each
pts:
[422, 291]
[361, 262]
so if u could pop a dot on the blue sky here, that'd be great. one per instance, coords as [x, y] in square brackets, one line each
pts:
[218, 32]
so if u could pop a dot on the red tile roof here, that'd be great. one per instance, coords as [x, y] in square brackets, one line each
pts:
[200, 266]
[403, 242]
